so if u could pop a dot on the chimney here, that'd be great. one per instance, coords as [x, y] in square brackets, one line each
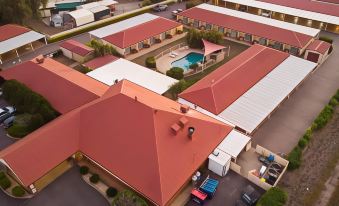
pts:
[190, 132]
[184, 108]
[182, 122]
[175, 128]
[40, 59]
[136, 98]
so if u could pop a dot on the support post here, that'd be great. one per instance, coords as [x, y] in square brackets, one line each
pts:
[45, 40]
[32, 46]
[17, 54]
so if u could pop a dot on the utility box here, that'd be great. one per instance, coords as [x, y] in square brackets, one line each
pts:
[219, 162]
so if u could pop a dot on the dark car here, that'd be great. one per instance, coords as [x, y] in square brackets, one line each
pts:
[250, 196]
[6, 112]
[160, 7]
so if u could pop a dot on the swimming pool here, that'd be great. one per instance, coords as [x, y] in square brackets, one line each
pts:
[189, 59]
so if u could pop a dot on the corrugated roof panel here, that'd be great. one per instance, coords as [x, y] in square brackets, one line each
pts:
[19, 41]
[256, 104]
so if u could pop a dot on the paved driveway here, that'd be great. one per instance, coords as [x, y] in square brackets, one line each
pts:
[282, 131]
[4, 140]
[229, 190]
[67, 190]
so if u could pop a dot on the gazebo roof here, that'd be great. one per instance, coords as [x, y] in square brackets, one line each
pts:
[211, 47]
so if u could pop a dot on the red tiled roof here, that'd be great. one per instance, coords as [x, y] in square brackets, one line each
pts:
[141, 32]
[64, 87]
[100, 61]
[222, 87]
[319, 46]
[309, 5]
[10, 30]
[133, 140]
[76, 47]
[289, 37]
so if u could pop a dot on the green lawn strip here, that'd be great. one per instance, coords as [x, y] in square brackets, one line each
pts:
[295, 156]
[326, 173]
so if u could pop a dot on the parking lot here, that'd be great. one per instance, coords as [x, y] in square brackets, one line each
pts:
[5, 141]
[229, 189]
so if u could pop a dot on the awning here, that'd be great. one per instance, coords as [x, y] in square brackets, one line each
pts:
[210, 47]
[234, 143]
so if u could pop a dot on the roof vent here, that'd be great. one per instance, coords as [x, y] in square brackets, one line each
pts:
[116, 81]
[184, 108]
[136, 98]
[40, 59]
[182, 122]
[175, 128]
[190, 132]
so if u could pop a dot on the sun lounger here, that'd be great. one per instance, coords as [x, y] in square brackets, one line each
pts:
[172, 55]
[176, 54]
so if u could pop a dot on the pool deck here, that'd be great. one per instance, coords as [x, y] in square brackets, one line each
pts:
[164, 62]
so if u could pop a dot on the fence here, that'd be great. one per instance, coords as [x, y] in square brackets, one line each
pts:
[173, 48]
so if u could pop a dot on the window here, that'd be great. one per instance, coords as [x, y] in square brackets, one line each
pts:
[294, 50]
[277, 45]
[263, 41]
[248, 37]
[208, 26]
[196, 23]
[128, 50]
[140, 45]
[221, 29]
[162, 36]
[234, 34]
[185, 20]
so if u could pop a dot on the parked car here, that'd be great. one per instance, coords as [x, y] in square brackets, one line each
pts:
[176, 12]
[6, 112]
[160, 7]
[9, 122]
[249, 196]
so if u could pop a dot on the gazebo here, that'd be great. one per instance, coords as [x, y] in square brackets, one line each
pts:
[210, 48]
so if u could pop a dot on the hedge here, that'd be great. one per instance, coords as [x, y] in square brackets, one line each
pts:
[150, 62]
[326, 39]
[295, 156]
[18, 191]
[2, 175]
[27, 101]
[193, 3]
[128, 197]
[111, 192]
[273, 197]
[176, 73]
[5, 183]
[84, 170]
[94, 178]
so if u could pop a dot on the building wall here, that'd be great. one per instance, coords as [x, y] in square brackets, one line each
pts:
[66, 53]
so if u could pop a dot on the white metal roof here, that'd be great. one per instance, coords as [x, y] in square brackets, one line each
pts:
[98, 9]
[219, 157]
[20, 40]
[262, 20]
[107, 2]
[88, 6]
[124, 69]
[252, 108]
[288, 10]
[123, 25]
[82, 16]
[234, 143]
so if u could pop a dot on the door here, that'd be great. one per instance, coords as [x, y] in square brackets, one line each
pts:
[314, 57]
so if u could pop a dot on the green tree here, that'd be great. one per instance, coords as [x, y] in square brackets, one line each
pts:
[176, 73]
[15, 11]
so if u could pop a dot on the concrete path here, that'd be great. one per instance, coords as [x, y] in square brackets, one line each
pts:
[282, 131]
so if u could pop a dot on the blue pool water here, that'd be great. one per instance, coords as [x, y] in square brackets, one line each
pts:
[186, 61]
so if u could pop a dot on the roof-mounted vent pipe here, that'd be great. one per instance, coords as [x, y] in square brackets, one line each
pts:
[40, 59]
[116, 81]
[184, 108]
[136, 98]
[190, 132]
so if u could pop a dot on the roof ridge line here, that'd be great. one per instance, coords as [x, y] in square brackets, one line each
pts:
[297, 38]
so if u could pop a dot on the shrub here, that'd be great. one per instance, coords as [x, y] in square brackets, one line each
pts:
[193, 3]
[194, 66]
[18, 131]
[326, 39]
[94, 178]
[84, 170]
[101, 49]
[336, 96]
[302, 143]
[157, 41]
[176, 73]
[128, 197]
[150, 62]
[324, 116]
[179, 87]
[180, 31]
[146, 3]
[294, 158]
[18, 191]
[35, 122]
[5, 183]
[333, 102]
[134, 51]
[273, 197]
[308, 134]
[84, 69]
[169, 36]
[2, 175]
[111, 192]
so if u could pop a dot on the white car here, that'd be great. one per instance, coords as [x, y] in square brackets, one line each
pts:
[6, 112]
[176, 12]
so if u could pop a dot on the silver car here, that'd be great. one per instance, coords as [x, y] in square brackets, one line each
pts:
[6, 112]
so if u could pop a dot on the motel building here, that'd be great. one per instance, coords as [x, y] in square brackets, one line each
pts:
[322, 14]
[137, 33]
[250, 29]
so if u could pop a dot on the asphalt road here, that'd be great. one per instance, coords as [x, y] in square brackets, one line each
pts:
[282, 131]
[67, 190]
